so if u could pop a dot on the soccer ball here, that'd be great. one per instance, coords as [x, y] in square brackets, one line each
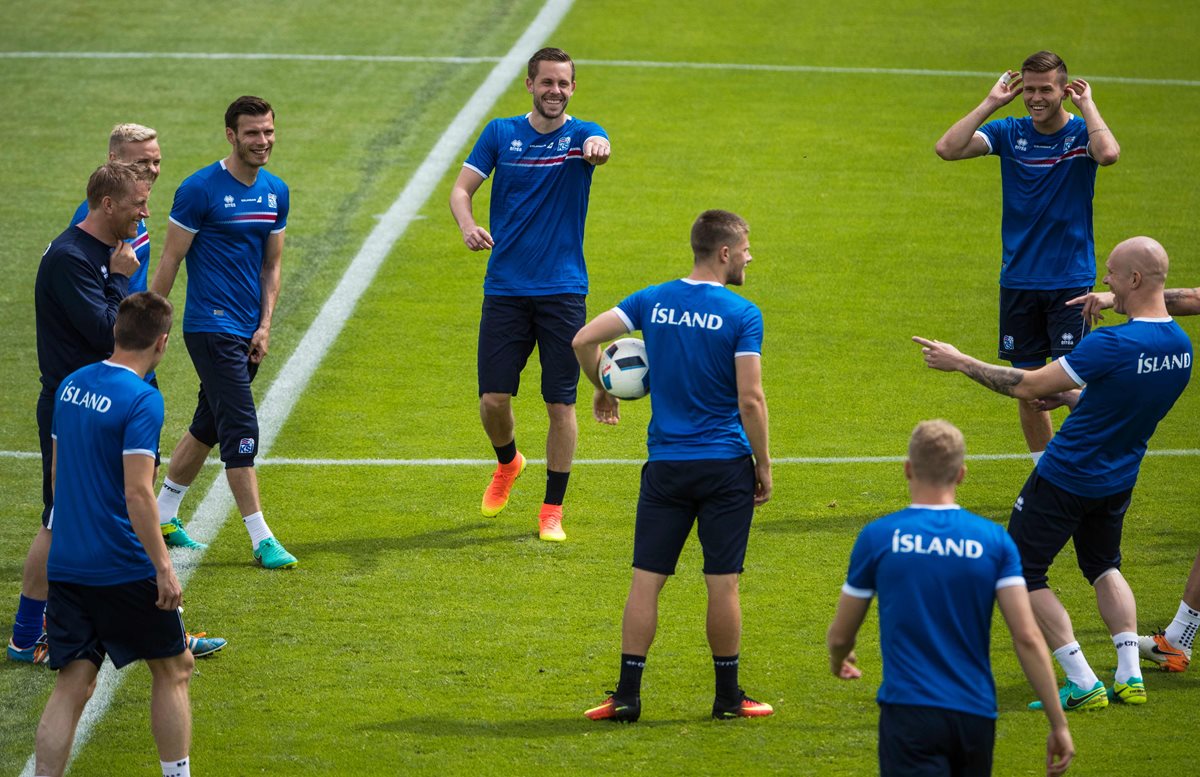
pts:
[625, 370]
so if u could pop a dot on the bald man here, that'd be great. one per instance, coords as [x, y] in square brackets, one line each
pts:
[1081, 488]
[1170, 648]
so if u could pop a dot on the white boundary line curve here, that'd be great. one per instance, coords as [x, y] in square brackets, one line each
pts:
[300, 366]
[452, 60]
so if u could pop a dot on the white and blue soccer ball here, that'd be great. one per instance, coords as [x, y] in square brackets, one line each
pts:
[625, 370]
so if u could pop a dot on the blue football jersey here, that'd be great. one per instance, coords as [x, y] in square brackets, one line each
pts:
[1133, 374]
[693, 332]
[539, 205]
[936, 570]
[141, 249]
[102, 413]
[1048, 182]
[231, 223]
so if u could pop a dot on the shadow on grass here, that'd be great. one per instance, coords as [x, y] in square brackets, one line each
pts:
[511, 729]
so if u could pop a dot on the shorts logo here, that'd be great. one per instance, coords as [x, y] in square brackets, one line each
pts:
[1068, 338]
[1009, 343]
[229, 203]
[1020, 505]
[271, 201]
[564, 143]
[246, 445]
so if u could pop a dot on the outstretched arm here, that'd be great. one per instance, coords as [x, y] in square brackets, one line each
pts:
[960, 141]
[1009, 381]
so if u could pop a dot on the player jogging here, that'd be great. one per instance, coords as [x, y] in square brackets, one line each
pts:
[536, 283]
[1048, 164]
[709, 461]
[1081, 489]
[937, 570]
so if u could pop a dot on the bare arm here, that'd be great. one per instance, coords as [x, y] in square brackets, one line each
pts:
[143, 515]
[175, 248]
[851, 610]
[596, 150]
[960, 141]
[1102, 144]
[1035, 663]
[1009, 381]
[601, 329]
[752, 407]
[1183, 302]
[272, 268]
[474, 236]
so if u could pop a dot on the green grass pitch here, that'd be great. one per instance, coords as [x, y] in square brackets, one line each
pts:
[417, 637]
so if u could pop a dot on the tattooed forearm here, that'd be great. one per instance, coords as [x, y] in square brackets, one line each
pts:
[1002, 380]
[1183, 302]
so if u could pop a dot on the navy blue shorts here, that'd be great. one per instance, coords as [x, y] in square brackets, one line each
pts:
[510, 327]
[716, 494]
[928, 741]
[225, 411]
[1036, 325]
[45, 422]
[121, 621]
[1045, 517]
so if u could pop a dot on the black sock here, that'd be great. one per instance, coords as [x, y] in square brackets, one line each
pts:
[506, 453]
[556, 486]
[726, 668]
[630, 685]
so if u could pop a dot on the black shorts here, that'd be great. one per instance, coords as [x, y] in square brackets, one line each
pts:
[1045, 517]
[928, 741]
[122, 621]
[225, 411]
[509, 327]
[1036, 325]
[45, 422]
[716, 494]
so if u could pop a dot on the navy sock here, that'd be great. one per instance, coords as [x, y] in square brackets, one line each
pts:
[556, 486]
[726, 668]
[506, 453]
[630, 685]
[28, 624]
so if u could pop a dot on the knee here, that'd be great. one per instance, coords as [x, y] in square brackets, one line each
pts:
[1095, 577]
[560, 413]
[492, 403]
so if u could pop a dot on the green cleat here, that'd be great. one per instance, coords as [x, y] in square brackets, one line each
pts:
[1076, 699]
[175, 536]
[1132, 692]
[272, 555]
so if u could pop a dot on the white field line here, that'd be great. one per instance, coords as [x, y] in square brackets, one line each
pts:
[270, 461]
[629, 63]
[289, 385]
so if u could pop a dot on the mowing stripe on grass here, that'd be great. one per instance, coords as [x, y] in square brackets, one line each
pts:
[638, 63]
[293, 377]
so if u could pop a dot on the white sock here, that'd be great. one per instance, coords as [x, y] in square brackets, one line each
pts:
[1070, 658]
[170, 496]
[257, 527]
[180, 768]
[1182, 631]
[1035, 455]
[1127, 656]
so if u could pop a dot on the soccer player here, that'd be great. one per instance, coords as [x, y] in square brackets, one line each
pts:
[938, 569]
[536, 283]
[1171, 648]
[709, 460]
[113, 590]
[1081, 488]
[228, 220]
[1048, 164]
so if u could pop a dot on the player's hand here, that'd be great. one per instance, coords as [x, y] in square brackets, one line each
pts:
[1093, 303]
[1053, 401]
[939, 356]
[762, 484]
[1007, 87]
[170, 593]
[849, 669]
[606, 408]
[1079, 91]
[596, 151]
[123, 261]
[259, 344]
[1059, 751]
[477, 239]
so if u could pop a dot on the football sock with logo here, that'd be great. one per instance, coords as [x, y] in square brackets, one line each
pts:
[1182, 631]
[556, 486]
[180, 768]
[1127, 656]
[506, 453]
[726, 669]
[630, 684]
[170, 496]
[1070, 658]
[257, 527]
[27, 626]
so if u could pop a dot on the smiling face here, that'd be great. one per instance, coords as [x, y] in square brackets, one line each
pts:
[1043, 94]
[253, 140]
[127, 210]
[551, 88]
[144, 153]
[739, 257]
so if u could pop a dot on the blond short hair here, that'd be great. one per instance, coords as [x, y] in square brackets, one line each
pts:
[936, 452]
[129, 133]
